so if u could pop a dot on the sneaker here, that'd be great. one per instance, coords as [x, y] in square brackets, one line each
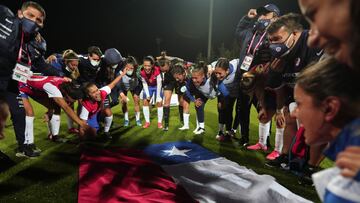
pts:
[108, 135]
[146, 125]
[273, 155]
[196, 129]
[126, 123]
[26, 151]
[306, 176]
[160, 125]
[184, 128]
[281, 161]
[73, 131]
[257, 146]
[221, 137]
[56, 138]
[138, 123]
[33, 146]
[232, 133]
[244, 141]
[165, 128]
[199, 131]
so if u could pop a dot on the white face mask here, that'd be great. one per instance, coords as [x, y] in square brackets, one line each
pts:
[94, 63]
[114, 66]
[129, 72]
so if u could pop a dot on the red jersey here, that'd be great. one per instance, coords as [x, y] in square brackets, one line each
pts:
[150, 78]
[91, 108]
[47, 84]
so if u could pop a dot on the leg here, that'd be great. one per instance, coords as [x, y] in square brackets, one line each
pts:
[137, 109]
[108, 119]
[186, 114]
[167, 100]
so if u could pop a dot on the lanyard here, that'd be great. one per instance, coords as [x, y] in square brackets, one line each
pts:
[20, 50]
[257, 45]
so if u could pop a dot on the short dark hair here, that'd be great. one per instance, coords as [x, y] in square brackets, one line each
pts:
[291, 22]
[200, 67]
[149, 58]
[178, 69]
[35, 5]
[223, 63]
[87, 86]
[72, 89]
[95, 50]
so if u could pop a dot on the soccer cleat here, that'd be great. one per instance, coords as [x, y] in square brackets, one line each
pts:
[160, 125]
[273, 155]
[184, 128]
[33, 146]
[232, 133]
[199, 131]
[146, 125]
[26, 151]
[126, 123]
[257, 146]
[221, 137]
[196, 129]
[281, 161]
[73, 131]
[108, 135]
[56, 138]
[244, 141]
[138, 123]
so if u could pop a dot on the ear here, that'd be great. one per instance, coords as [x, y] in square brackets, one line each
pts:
[332, 107]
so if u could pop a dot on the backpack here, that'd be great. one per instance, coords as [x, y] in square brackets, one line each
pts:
[300, 152]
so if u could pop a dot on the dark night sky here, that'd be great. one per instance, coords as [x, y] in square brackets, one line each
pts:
[132, 26]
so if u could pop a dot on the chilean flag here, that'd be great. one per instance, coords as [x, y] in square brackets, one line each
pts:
[173, 172]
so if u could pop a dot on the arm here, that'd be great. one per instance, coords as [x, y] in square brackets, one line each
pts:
[62, 103]
[145, 88]
[188, 92]
[245, 25]
[116, 80]
[223, 90]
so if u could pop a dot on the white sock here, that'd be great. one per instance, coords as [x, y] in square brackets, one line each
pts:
[146, 112]
[70, 122]
[160, 114]
[279, 134]
[186, 120]
[202, 125]
[221, 127]
[108, 121]
[29, 130]
[126, 116]
[137, 115]
[55, 124]
[264, 132]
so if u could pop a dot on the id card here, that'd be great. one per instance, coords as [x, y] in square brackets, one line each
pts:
[247, 62]
[21, 73]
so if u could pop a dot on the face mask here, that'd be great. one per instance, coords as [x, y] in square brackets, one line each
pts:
[29, 26]
[262, 24]
[94, 63]
[129, 72]
[279, 50]
[114, 66]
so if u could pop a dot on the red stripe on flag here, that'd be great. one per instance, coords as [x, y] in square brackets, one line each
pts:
[123, 175]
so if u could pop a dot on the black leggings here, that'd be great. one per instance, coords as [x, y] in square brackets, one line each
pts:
[226, 111]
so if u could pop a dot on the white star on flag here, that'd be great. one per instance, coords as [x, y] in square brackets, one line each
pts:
[175, 151]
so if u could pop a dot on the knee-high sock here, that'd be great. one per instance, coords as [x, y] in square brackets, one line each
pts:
[279, 134]
[29, 130]
[181, 113]
[146, 112]
[126, 116]
[70, 122]
[263, 132]
[160, 113]
[55, 124]
[108, 121]
[166, 114]
[186, 117]
[137, 115]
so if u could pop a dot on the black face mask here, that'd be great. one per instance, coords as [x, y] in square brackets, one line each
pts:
[262, 24]
[29, 27]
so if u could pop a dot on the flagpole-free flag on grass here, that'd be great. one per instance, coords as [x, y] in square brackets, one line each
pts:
[173, 172]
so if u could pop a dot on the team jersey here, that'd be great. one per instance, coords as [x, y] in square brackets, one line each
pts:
[48, 84]
[151, 80]
[91, 108]
[207, 90]
[128, 83]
